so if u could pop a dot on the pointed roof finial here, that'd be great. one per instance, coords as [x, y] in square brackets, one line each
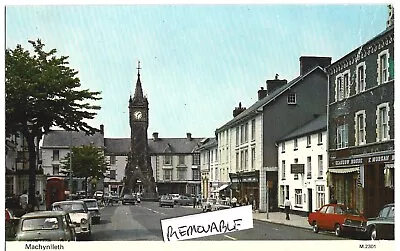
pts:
[138, 68]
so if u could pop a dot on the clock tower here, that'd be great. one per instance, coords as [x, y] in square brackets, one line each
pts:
[138, 171]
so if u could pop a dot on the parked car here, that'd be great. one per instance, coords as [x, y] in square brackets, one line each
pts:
[128, 199]
[175, 197]
[338, 218]
[208, 204]
[46, 226]
[184, 200]
[221, 204]
[13, 206]
[382, 227]
[93, 209]
[11, 223]
[98, 195]
[166, 200]
[114, 197]
[79, 214]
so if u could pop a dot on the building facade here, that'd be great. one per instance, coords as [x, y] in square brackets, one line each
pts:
[209, 168]
[361, 125]
[302, 160]
[281, 108]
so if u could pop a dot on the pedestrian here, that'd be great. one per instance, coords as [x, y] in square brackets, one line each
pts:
[288, 206]
[23, 199]
[234, 201]
[38, 198]
[194, 202]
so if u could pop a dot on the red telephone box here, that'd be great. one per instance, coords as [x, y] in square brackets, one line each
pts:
[55, 191]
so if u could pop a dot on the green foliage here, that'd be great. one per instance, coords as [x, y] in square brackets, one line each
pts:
[87, 162]
[42, 91]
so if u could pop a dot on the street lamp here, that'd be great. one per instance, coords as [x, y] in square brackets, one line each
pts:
[70, 165]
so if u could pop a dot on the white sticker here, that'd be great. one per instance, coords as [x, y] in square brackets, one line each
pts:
[206, 224]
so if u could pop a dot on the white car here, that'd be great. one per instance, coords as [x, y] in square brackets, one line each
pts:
[79, 215]
[94, 210]
[175, 197]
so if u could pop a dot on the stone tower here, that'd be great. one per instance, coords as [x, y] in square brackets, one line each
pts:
[138, 171]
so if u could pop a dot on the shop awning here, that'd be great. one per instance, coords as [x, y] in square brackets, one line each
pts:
[220, 188]
[344, 170]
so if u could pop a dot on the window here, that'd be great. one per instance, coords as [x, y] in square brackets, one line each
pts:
[237, 136]
[181, 160]
[388, 174]
[298, 197]
[296, 175]
[241, 160]
[382, 123]
[359, 128]
[216, 174]
[113, 174]
[227, 137]
[167, 175]
[216, 155]
[308, 140]
[282, 193]
[383, 67]
[168, 160]
[320, 196]
[339, 88]
[181, 174]
[56, 155]
[211, 156]
[360, 83]
[241, 134]
[295, 144]
[291, 99]
[330, 210]
[283, 147]
[283, 169]
[246, 159]
[196, 159]
[320, 166]
[309, 167]
[342, 136]
[56, 169]
[112, 160]
[246, 132]
[237, 161]
[253, 130]
[253, 158]
[346, 84]
[196, 174]
[320, 138]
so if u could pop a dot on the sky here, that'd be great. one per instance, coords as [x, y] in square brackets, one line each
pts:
[198, 61]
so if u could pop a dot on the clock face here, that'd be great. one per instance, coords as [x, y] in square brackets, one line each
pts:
[138, 115]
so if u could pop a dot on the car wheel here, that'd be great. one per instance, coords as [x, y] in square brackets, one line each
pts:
[372, 233]
[338, 230]
[315, 227]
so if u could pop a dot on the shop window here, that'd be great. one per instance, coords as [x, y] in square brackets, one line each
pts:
[389, 177]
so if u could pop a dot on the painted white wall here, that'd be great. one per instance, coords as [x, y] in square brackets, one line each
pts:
[303, 183]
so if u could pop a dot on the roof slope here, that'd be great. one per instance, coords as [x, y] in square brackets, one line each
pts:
[62, 138]
[318, 124]
[264, 101]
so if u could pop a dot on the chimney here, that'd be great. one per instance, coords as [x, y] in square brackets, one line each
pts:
[262, 93]
[274, 84]
[189, 136]
[102, 129]
[390, 21]
[238, 110]
[155, 136]
[307, 63]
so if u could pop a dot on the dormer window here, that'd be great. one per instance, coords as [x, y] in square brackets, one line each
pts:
[291, 99]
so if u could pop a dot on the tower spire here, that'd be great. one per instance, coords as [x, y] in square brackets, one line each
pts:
[138, 89]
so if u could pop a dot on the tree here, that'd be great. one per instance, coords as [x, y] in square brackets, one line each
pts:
[87, 162]
[41, 92]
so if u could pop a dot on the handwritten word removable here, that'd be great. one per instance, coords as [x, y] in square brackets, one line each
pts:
[205, 224]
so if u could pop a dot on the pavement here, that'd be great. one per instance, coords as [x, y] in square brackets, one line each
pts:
[280, 218]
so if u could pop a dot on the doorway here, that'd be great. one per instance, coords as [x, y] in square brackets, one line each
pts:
[310, 202]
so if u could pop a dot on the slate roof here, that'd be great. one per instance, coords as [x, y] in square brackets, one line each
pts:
[174, 145]
[117, 145]
[318, 124]
[264, 101]
[62, 139]
[208, 144]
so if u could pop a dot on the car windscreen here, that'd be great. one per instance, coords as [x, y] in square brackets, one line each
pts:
[42, 223]
[91, 204]
[352, 211]
[70, 208]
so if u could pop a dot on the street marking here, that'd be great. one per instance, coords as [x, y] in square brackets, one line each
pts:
[154, 211]
[275, 229]
[230, 237]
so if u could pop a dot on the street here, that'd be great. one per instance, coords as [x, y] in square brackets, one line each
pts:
[141, 222]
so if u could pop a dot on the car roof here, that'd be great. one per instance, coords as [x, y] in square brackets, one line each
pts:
[84, 200]
[68, 202]
[43, 214]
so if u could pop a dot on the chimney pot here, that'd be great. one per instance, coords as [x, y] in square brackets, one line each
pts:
[189, 136]
[102, 129]
[155, 136]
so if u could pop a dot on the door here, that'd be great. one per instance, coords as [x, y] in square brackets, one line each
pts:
[327, 220]
[310, 201]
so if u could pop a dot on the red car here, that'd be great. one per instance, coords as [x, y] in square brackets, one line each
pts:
[338, 218]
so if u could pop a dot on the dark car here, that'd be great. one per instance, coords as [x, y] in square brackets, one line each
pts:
[382, 227]
[338, 218]
[185, 200]
[166, 200]
[128, 199]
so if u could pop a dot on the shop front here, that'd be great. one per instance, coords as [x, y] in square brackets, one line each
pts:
[245, 186]
[365, 182]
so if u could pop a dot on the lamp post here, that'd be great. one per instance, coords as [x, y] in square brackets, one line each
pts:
[70, 165]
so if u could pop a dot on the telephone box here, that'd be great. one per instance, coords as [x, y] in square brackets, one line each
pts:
[55, 191]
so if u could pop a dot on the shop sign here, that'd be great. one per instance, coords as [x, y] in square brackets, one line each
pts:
[383, 158]
[346, 162]
[297, 168]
